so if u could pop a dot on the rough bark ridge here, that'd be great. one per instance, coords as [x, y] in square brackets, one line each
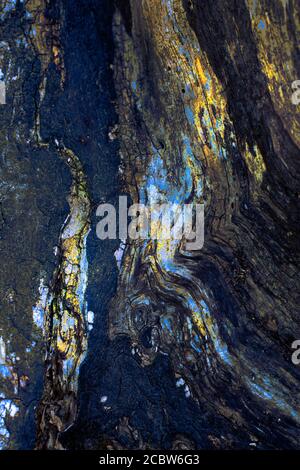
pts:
[189, 349]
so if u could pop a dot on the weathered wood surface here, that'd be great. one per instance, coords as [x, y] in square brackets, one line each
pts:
[162, 100]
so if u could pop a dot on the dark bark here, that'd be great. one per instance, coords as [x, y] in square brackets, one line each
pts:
[159, 100]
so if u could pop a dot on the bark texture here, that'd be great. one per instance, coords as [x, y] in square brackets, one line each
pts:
[181, 101]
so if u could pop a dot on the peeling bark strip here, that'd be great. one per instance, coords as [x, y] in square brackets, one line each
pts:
[189, 349]
[66, 315]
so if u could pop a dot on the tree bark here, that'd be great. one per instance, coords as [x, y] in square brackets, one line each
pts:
[171, 101]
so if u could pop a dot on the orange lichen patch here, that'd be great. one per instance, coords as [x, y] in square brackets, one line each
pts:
[70, 250]
[200, 72]
[56, 56]
[255, 163]
[210, 109]
[201, 326]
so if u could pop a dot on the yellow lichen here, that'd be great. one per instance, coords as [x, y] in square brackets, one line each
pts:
[255, 163]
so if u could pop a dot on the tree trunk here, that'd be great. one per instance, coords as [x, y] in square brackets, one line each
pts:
[165, 101]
